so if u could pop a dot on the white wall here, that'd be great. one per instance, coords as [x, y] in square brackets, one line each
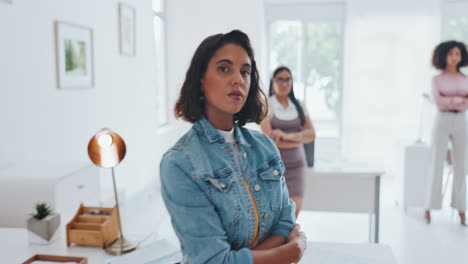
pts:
[41, 122]
[388, 48]
[387, 66]
[189, 22]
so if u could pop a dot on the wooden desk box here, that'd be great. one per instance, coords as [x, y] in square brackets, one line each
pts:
[58, 259]
[93, 230]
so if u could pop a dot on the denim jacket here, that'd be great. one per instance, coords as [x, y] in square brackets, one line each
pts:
[219, 208]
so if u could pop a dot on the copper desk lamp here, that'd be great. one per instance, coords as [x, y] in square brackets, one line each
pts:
[107, 149]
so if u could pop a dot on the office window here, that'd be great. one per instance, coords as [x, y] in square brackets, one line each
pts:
[159, 25]
[455, 22]
[456, 27]
[308, 38]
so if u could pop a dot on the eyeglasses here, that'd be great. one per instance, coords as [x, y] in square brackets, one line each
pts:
[281, 80]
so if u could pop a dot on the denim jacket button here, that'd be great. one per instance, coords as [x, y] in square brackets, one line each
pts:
[222, 185]
[276, 172]
[244, 155]
[257, 187]
[265, 216]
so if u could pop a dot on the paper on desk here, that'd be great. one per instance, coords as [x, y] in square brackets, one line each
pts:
[329, 256]
[169, 259]
[159, 252]
[51, 262]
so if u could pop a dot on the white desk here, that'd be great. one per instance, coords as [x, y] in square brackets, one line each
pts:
[14, 249]
[345, 190]
[334, 253]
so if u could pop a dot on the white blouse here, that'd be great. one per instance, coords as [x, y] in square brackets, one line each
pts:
[288, 113]
[229, 138]
[228, 135]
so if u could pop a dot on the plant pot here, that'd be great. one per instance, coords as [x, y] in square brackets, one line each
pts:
[43, 231]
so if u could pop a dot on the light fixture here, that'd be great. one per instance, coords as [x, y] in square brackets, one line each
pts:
[107, 149]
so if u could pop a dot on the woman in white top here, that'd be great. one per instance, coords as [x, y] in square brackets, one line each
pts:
[289, 125]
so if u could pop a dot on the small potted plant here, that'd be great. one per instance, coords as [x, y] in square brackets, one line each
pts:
[43, 225]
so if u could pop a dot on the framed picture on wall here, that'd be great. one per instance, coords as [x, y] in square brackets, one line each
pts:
[127, 28]
[74, 56]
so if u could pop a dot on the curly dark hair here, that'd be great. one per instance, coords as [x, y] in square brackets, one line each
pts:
[439, 57]
[191, 108]
[291, 95]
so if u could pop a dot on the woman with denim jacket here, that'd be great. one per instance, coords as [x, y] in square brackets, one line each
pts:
[223, 184]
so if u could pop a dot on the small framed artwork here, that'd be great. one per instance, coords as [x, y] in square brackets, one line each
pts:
[127, 28]
[74, 56]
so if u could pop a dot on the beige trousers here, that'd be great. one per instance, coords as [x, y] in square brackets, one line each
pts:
[448, 126]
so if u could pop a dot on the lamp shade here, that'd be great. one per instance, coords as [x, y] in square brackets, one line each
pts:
[106, 149]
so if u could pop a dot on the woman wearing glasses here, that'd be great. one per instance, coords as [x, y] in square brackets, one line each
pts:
[289, 125]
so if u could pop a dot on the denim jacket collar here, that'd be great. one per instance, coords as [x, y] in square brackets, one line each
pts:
[205, 127]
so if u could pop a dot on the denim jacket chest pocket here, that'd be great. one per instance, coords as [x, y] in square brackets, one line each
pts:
[272, 176]
[223, 190]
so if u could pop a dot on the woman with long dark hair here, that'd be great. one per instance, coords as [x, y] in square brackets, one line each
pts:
[289, 125]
